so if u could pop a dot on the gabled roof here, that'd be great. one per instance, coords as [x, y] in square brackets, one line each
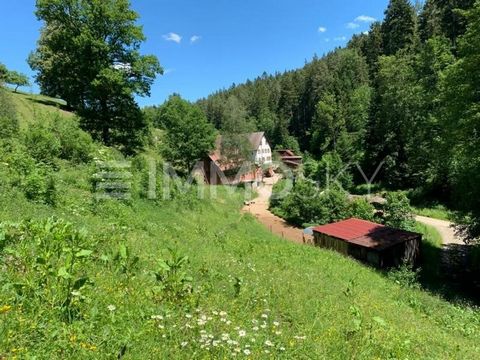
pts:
[366, 233]
[255, 139]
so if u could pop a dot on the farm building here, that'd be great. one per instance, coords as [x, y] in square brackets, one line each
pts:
[375, 244]
[289, 158]
[216, 170]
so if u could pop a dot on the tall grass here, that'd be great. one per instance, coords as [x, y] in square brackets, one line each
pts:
[205, 281]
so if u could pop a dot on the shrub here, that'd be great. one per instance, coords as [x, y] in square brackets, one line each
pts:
[398, 212]
[307, 204]
[75, 144]
[361, 209]
[405, 276]
[42, 144]
[40, 186]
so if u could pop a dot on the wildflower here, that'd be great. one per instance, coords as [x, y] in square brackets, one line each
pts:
[188, 316]
[282, 348]
[223, 313]
[264, 316]
[255, 328]
[263, 326]
[111, 307]
[247, 352]
[215, 343]
[185, 343]
[278, 333]
[225, 337]
[268, 343]
[266, 351]
[214, 312]
[242, 333]
[161, 326]
[238, 350]
[5, 309]
[300, 337]
[156, 317]
[276, 323]
[255, 321]
[228, 322]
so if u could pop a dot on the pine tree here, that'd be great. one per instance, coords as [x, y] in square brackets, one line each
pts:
[398, 29]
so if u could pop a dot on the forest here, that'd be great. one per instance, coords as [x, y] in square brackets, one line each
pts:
[404, 95]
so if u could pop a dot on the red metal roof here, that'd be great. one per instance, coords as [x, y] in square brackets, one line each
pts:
[366, 233]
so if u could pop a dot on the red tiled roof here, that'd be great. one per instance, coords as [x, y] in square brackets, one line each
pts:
[366, 233]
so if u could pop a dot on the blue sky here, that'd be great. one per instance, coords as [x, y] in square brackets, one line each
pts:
[209, 44]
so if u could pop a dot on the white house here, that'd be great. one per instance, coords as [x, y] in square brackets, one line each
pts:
[261, 150]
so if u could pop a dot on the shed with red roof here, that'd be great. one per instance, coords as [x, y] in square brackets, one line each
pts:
[375, 244]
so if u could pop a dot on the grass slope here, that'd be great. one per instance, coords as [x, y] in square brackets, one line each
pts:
[291, 301]
[28, 106]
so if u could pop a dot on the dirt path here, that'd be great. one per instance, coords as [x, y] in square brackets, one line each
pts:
[259, 208]
[444, 228]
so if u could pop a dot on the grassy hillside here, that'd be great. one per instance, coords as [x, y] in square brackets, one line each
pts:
[189, 278]
[29, 105]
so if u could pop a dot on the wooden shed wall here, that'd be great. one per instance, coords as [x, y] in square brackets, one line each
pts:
[408, 251]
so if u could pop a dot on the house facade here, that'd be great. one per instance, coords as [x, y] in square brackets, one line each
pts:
[261, 150]
[216, 170]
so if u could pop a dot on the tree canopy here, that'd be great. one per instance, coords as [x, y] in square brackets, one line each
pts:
[89, 55]
[189, 137]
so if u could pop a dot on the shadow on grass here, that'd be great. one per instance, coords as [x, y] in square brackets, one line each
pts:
[60, 104]
[447, 272]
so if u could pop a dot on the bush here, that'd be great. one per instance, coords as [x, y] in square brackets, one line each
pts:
[42, 144]
[362, 209]
[398, 212]
[307, 204]
[40, 186]
[75, 144]
[405, 276]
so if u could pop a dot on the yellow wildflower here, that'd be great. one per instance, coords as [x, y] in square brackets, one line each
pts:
[5, 308]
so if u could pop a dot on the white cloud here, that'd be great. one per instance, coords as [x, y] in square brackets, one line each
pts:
[195, 38]
[352, 25]
[366, 32]
[322, 29]
[168, 71]
[173, 37]
[365, 18]
[340, 38]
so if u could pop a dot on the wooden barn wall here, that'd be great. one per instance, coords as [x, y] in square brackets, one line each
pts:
[328, 242]
[408, 251]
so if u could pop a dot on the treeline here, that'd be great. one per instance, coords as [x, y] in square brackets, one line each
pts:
[405, 93]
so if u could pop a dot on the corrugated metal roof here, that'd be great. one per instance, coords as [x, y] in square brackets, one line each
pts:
[366, 233]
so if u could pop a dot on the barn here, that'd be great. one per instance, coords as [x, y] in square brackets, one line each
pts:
[378, 245]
